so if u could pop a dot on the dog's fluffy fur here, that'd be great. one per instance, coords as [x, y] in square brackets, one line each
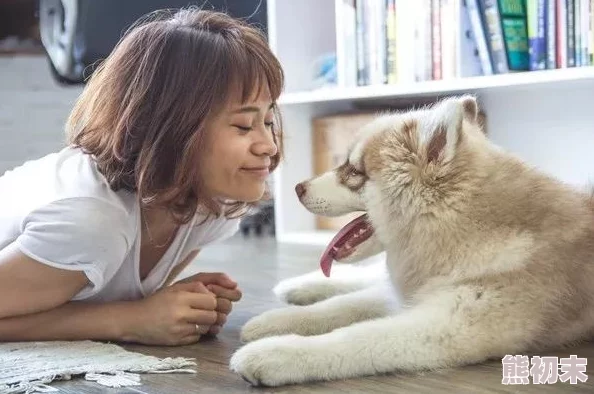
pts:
[487, 255]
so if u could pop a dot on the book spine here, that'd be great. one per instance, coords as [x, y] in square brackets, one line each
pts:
[478, 32]
[570, 33]
[391, 41]
[448, 38]
[515, 33]
[577, 28]
[495, 34]
[371, 42]
[428, 38]
[436, 38]
[362, 64]
[551, 30]
[350, 42]
[561, 34]
[586, 11]
[380, 27]
[591, 42]
[536, 34]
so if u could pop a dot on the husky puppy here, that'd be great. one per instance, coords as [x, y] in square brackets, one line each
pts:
[485, 256]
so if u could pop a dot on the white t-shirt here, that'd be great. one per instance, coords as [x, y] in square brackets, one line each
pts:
[60, 211]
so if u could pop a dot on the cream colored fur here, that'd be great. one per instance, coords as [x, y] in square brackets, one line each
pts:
[485, 257]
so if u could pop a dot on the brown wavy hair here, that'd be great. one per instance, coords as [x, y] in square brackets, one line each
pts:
[144, 109]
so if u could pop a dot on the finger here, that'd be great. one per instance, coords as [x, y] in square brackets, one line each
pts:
[201, 329]
[191, 278]
[190, 339]
[221, 319]
[230, 294]
[206, 302]
[214, 330]
[217, 278]
[224, 306]
[202, 318]
[193, 329]
[194, 287]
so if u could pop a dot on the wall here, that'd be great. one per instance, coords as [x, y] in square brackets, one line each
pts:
[550, 127]
[33, 109]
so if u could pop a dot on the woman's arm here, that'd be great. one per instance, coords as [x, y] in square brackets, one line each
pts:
[72, 321]
[34, 303]
[176, 315]
[28, 286]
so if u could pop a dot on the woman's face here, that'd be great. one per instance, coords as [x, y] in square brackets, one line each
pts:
[239, 147]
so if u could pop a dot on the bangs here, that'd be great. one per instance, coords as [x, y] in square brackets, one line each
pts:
[253, 67]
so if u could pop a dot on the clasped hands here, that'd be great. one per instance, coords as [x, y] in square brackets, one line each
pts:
[226, 292]
[181, 313]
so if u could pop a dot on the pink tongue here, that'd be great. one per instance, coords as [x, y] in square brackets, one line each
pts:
[326, 261]
[329, 254]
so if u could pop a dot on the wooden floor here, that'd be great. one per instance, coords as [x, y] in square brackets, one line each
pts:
[257, 264]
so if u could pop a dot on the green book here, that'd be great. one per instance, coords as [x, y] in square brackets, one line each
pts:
[515, 33]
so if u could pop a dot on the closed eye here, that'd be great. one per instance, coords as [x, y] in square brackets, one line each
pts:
[351, 177]
[354, 171]
[243, 128]
[250, 128]
[348, 170]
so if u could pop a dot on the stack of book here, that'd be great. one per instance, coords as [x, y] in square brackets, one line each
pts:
[403, 41]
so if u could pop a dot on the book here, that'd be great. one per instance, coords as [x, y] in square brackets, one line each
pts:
[515, 33]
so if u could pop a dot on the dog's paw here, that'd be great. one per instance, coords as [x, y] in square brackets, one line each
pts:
[268, 324]
[274, 361]
[303, 293]
[311, 288]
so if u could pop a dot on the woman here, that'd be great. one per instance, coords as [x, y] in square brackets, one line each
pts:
[172, 138]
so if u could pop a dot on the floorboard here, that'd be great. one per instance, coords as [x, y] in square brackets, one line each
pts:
[257, 264]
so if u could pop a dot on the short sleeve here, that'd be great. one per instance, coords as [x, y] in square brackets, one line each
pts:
[82, 234]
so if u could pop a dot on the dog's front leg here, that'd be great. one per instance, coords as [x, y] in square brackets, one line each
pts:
[315, 287]
[324, 316]
[449, 330]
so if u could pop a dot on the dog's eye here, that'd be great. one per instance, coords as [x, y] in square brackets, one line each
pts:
[354, 172]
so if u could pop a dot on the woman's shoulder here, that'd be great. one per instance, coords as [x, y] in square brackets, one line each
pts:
[77, 175]
[64, 176]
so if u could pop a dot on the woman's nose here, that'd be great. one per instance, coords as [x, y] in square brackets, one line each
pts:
[265, 146]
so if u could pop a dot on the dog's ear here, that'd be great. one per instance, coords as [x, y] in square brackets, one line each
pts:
[447, 126]
[470, 108]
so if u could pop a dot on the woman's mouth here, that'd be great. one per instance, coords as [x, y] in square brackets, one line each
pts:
[257, 171]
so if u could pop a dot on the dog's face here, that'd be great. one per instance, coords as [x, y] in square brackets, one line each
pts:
[398, 167]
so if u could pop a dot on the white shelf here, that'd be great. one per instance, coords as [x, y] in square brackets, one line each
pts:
[472, 84]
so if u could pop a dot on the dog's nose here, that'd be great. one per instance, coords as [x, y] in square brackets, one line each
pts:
[300, 189]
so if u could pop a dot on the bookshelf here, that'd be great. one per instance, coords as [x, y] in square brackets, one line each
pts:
[462, 85]
[545, 117]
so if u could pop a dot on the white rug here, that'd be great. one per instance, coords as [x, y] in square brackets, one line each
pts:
[28, 367]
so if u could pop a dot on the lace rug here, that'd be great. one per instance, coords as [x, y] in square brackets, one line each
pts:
[28, 367]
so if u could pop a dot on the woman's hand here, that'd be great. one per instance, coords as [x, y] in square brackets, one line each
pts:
[225, 290]
[174, 315]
